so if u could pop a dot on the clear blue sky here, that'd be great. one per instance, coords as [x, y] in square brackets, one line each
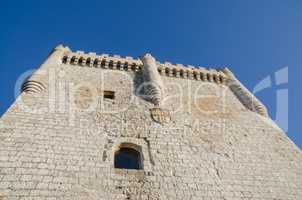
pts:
[255, 38]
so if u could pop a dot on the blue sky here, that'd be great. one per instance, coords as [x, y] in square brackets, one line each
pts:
[254, 38]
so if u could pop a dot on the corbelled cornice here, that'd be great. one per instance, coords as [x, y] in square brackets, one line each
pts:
[130, 64]
[219, 76]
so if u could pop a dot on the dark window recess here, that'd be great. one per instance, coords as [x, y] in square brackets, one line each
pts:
[127, 158]
[109, 94]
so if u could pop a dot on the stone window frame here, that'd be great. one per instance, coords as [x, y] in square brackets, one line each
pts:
[134, 147]
[141, 145]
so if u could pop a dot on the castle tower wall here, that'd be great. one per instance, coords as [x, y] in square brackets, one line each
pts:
[212, 146]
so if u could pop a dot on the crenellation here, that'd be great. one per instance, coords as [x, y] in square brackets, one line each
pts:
[76, 60]
[197, 75]
[67, 59]
[190, 74]
[177, 72]
[118, 62]
[184, 73]
[116, 56]
[201, 68]
[215, 78]
[80, 52]
[169, 72]
[126, 66]
[129, 58]
[104, 55]
[191, 67]
[179, 65]
[203, 76]
[106, 63]
[88, 62]
[167, 63]
[113, 64]
[161, 70]
[82, 61]
[119, 65]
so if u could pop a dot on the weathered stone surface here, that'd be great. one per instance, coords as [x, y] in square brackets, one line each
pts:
[153, 86]
[60, 144]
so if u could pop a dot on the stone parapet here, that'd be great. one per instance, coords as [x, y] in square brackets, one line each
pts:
[127, 63]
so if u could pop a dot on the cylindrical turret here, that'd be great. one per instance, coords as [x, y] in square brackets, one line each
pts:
[153, 86]
[38, 80]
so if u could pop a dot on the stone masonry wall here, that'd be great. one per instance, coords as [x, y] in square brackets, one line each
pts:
[56, 145]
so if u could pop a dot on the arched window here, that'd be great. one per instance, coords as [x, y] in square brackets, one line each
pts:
[128, 157]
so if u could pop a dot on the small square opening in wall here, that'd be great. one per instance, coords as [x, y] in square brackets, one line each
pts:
[109, 94]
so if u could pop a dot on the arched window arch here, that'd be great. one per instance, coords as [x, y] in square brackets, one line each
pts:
[128, 156]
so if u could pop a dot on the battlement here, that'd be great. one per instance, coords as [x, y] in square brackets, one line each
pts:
[128, 63]
[116, 62]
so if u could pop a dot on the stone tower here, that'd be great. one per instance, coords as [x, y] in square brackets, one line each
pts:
[90, 126]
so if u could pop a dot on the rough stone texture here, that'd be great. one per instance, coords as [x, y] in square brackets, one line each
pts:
[61, 146]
